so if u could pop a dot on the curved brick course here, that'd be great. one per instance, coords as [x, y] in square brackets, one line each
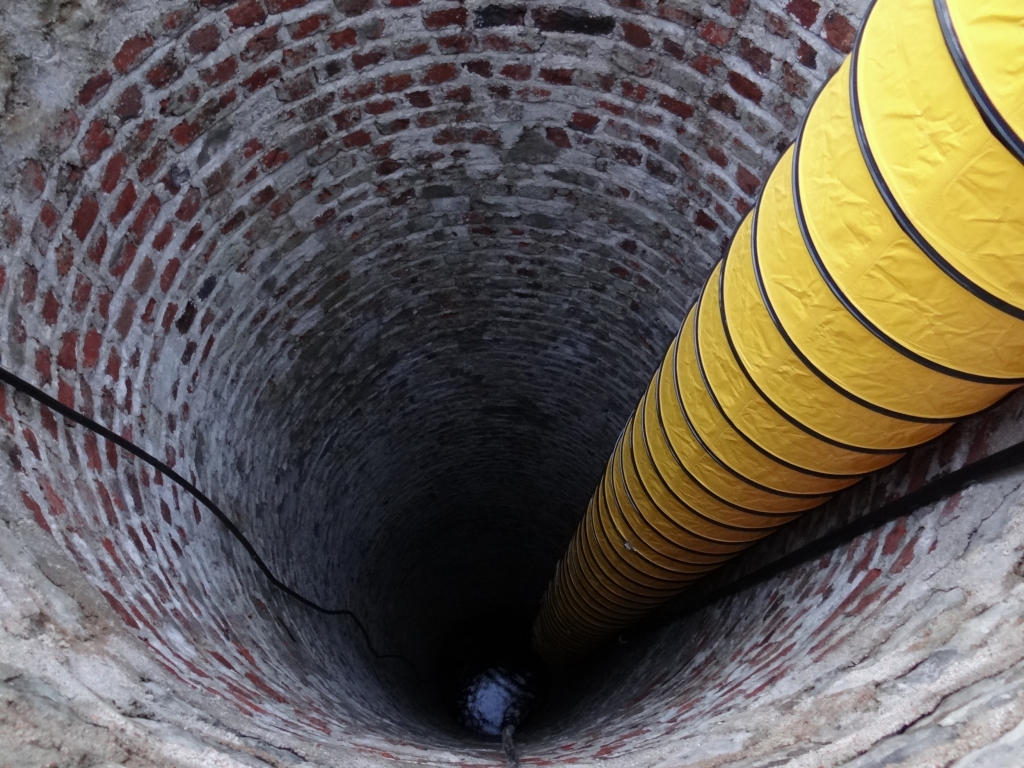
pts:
[369, 273]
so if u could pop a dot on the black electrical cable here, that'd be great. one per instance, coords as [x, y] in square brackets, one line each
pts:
[72, 415]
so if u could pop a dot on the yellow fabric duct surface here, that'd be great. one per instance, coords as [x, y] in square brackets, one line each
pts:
[874, 295]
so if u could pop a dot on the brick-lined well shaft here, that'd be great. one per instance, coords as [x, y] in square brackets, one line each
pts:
[383, 278]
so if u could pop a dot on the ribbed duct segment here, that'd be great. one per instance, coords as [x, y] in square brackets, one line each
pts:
[873, 296]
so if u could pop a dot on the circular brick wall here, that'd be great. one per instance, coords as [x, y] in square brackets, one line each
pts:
[384, 278]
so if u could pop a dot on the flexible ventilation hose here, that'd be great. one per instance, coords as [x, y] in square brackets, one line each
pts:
[873, 296]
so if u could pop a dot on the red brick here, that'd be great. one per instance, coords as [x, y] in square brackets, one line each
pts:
[97, 138]
[296, 88]
[94, 87]
[163, 237]
[345, 38]
[380, 107]
[747, 181]
[557, 76]
[450, 136]
[906, 556]
[559, 137]
[347, 118]
[67, 358]
[676, 107]
[125, 203]
[129, 103]
[420, 99]
[392, 83]
[634, 91]
[80, 295]
[365, 90]
[184, 133]
[221, 72]
[610, 106]
[674, 49]
[628, 155]
[715, 34]
[123, 259]
[368, 59]
[98, 247]
[165, 73]
[357, 139]
[33, 180]
[133, 51]
[839, 32]
[124, 320]
[233, 223]
[481, 67]
[717, 156]
[193, 237]
[153, 161]
[120, 610]
[85, 217]
[204, 40]
[452, 44]
[807, 55]
[745, 87]
[706, 222]
[324, 218]
[144, 277]
[64, 256]
[293, 58]
[51, 308]
[777, 25]
[516, 71]
[582, 121]
[636, 35]
[190, 204]
[438, 73]
[758, 58]
[261, 45]
[485, 136]
[10, 227]
[274, 158]
[451, 17]
[48, 217]
[168, 275]
[261, 77]
[91, 348]
[103, 302]
[804, 11]
[112, 174]
[246, 13]
[308, 25]
[793, 82]
[37, 515]
[280, 6]
[723, 104]
[66, 130]
[44, 366]
[463, 94]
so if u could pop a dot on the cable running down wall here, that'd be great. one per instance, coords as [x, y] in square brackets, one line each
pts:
[873, 296]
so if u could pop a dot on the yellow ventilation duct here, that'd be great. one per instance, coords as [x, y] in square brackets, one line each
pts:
[874, 295]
